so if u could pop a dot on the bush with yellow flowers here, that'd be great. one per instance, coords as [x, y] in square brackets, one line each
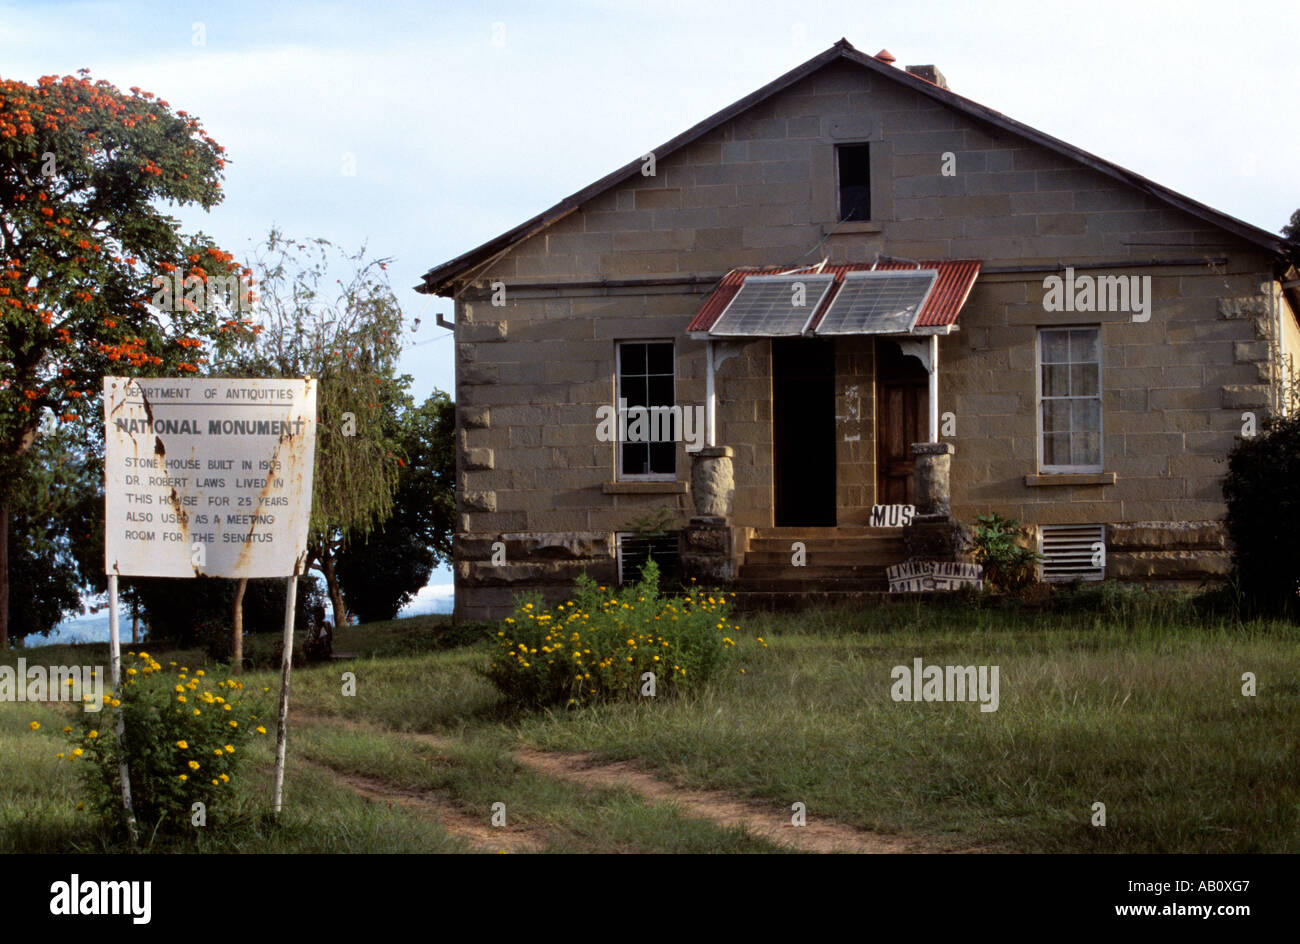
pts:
[600, 644]
[184, 737]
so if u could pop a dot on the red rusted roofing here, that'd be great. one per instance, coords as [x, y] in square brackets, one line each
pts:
[956, 276]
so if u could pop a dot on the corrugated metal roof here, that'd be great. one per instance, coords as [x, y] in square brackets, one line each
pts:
[956, 277]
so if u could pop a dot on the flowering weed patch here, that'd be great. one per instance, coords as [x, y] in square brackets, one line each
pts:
[600, 644]
[183, 741]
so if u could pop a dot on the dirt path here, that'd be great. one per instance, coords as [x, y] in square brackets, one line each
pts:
[451, 818]
[424, 803]
[763, 821]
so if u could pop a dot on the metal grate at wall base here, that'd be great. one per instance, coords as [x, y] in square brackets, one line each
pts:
[1073, 551]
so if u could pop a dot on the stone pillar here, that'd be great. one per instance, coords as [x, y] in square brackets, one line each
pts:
[930, 471]
[933, 534]
[706, 551]
[706, 543]
[713, 487]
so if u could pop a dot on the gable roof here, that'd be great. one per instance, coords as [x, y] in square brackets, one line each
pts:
[437, 279]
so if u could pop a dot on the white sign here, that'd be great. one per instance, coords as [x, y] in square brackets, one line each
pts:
[922, 576]
[892, 516]
[207, 477]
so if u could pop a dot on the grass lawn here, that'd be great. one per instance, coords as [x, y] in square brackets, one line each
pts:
[1132, 704]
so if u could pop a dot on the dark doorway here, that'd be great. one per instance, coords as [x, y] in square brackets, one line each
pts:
[902, 418]
[803, 432]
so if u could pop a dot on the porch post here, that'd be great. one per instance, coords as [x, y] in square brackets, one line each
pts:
[710, 399]
[934, 388]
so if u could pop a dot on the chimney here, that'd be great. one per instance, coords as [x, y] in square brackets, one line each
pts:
[886, 57]
[930, 74]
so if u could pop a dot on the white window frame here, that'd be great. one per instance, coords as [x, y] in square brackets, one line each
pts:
[619, 475]
[1043, 468]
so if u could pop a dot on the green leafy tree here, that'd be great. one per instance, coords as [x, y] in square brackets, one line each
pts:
[381, 573]
[83, 244]
[1292, 229]
[347, 336]
[44, 575]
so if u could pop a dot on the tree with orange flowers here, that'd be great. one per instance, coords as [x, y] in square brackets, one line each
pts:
[85, 250]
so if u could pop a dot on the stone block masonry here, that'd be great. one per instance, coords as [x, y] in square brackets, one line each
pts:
[636, 263]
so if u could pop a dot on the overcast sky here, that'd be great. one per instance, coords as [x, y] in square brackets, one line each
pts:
[463, 119]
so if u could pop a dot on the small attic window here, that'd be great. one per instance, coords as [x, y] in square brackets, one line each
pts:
[854, 167]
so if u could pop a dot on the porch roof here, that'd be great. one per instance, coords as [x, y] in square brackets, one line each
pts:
[952, 286]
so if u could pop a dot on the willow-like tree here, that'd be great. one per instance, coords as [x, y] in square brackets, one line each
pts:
[83, 168]
[332, 316]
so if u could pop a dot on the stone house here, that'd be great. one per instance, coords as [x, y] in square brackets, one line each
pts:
[856, 288]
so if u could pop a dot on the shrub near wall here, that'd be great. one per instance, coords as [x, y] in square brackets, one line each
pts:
[600, 644]
[1264, 517]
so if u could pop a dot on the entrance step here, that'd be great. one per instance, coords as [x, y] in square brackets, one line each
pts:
[837, 562]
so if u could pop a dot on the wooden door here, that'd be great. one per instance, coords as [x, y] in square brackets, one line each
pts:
[902, 418]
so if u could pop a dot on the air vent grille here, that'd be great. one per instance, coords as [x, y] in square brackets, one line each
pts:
[1071, 551]
[635, 549]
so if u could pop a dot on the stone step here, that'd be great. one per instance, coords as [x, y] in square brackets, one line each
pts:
[802, 534]
[826, 539]
[828, 557]
[784, 571]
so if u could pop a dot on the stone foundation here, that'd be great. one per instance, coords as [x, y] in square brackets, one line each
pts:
[1168, 552]
[939, 540]
[708, 551]
[534, 561]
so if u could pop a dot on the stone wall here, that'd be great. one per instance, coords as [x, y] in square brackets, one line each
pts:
[1161, 552]
[492, 568]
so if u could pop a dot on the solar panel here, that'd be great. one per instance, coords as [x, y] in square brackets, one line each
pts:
[878, 302]
[773, 306]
